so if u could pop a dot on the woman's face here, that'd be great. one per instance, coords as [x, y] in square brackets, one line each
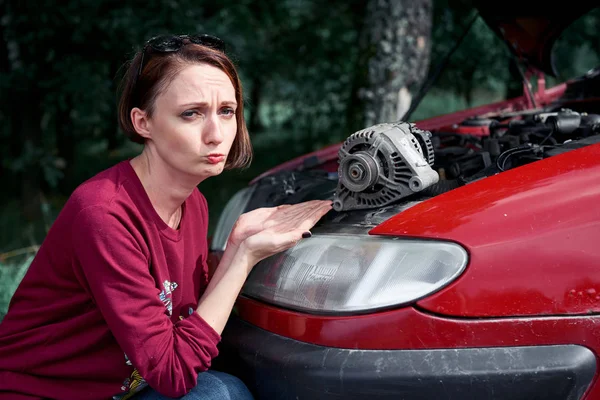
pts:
[193, 125]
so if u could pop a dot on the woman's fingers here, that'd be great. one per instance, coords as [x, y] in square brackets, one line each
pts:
[304, 206]
[314, 216]
[305, 216]
[288, 239]
[303, 211]
[284, 227]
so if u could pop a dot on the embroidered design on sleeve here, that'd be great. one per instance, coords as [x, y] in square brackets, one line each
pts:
[166, 297]
[135, 383]
[132, 385]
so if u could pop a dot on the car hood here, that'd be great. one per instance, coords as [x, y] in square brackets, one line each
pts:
[531, 234]
[531, 31]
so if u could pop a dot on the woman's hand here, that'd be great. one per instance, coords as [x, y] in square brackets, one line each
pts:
[267, 231]
[256, 235]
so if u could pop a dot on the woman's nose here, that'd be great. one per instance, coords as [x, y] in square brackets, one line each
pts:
[213, 133]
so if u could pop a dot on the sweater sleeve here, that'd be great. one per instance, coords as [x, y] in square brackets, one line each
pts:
[168, 356]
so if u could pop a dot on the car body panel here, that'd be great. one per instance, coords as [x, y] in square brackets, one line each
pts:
[411, 328]
[264, 360]
[527, 231]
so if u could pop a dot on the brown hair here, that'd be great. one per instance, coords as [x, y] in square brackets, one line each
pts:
[159, 70]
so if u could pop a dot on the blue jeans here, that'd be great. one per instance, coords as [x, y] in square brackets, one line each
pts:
[211, 385]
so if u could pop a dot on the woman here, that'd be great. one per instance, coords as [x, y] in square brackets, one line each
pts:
[117, 302]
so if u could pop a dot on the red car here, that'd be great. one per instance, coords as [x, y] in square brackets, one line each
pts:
[461, 261]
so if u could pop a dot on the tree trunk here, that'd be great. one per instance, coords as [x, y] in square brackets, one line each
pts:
[396, 36]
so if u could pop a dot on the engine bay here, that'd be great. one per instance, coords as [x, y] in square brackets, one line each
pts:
[370, 176]
[509, 141]
[396, 163]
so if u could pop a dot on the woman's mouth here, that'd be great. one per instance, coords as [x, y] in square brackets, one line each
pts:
[215, 158]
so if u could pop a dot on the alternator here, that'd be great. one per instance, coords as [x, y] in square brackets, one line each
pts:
[382, 164]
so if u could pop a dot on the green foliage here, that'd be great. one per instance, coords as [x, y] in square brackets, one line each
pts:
[449, 101]
[11, 274]
[297, 59]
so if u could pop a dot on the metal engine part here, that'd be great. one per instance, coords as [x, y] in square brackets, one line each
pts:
[382, 164]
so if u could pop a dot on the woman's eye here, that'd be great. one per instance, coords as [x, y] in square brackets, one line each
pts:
[189, 113]
[228, 111]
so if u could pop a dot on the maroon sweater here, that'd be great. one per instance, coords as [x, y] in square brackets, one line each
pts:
[108, 304]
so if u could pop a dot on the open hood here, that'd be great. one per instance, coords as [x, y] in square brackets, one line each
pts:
[530, 28]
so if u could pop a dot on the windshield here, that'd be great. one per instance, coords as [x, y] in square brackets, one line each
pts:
[577, 50]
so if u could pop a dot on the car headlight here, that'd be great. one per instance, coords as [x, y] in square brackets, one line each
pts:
[232, 211]
[350, 274]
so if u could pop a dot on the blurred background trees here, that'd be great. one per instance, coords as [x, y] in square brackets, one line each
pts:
[314, 71]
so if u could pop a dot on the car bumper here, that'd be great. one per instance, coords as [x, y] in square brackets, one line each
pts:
[276, 367]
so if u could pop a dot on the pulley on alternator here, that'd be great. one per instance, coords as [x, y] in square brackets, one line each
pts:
[382, 164]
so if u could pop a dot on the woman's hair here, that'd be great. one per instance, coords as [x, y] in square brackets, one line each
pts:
[159, 71]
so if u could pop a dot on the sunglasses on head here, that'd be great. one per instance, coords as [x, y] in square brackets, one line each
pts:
[173, 43]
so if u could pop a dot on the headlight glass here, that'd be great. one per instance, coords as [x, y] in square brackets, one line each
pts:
[350, 274]
[232, 211]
